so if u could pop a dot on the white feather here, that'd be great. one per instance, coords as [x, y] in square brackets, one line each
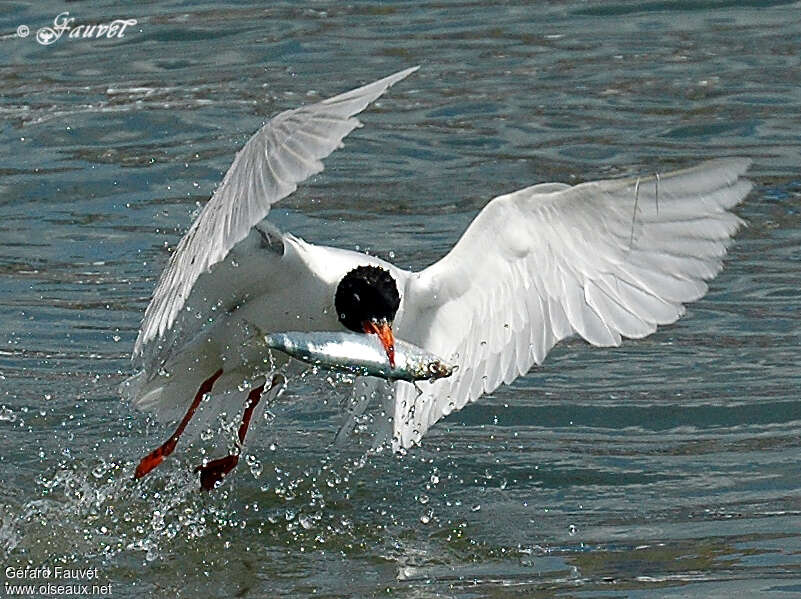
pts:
[604, 260]
[284, 152]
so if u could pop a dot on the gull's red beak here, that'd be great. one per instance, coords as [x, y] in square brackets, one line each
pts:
[383, 329]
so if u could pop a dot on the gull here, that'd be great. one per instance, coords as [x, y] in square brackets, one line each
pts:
[604, 260]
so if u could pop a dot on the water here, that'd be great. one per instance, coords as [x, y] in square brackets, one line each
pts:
[667, 467]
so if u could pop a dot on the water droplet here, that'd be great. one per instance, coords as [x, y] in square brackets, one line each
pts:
[427, 515]
[255, 465]
[476, 508]
[423, 499]
[572, 530]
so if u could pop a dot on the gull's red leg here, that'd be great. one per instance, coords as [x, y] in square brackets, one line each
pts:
[214, 471]
[155, 457]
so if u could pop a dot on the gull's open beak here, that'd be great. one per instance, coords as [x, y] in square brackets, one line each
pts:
[383, 329]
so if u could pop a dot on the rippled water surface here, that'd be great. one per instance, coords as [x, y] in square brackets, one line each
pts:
[667, 467]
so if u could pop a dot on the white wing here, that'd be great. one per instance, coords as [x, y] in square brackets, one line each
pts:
[606, 260]
[283, 153]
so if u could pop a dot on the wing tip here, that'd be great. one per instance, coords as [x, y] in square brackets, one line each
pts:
[371, 91]
[731, 169]
[392, 79]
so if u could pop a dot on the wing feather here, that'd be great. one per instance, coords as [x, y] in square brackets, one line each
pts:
[604, 260]
[284, 152]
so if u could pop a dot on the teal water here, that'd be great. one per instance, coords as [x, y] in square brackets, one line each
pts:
[668, 467]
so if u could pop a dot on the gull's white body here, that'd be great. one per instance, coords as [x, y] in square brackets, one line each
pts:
[604, 260]
[258, 290]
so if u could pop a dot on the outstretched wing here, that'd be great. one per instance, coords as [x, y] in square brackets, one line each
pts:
[283, 153]
[605, 260]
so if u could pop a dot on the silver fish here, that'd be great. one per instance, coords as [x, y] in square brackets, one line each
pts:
[360, 354]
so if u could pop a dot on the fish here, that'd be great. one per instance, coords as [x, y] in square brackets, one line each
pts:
[360, 354]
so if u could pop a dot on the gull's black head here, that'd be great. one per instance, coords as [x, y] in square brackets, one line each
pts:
[366, 293]
[366, 301]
